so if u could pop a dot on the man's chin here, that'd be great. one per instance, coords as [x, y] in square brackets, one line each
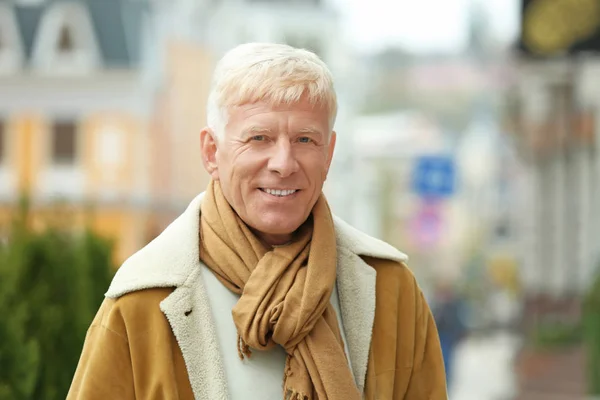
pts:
[277, 226]
[277, 229]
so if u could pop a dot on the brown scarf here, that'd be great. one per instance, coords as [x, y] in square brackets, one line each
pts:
[285, 293]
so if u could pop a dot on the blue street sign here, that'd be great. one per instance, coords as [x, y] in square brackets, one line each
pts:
[434, 176]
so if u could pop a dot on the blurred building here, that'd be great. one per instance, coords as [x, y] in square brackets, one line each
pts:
[179, 67]
[555, 111]
[556, 106]
[102, 102]
[74, 112]
[458, 98]
[101, 107]
[388, 148]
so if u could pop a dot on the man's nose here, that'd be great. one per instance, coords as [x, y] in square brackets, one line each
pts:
[283, 160]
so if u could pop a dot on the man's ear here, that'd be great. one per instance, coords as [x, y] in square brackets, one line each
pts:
[208, 148]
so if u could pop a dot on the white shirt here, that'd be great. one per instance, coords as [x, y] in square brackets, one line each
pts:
[259, 377]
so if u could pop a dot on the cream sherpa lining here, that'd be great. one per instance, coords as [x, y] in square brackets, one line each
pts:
[172, 260]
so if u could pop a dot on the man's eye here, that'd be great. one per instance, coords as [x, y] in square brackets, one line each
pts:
[258, 138]
[304, 139]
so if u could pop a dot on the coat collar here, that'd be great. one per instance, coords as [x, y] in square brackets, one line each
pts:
[171, 257]
[172, 260]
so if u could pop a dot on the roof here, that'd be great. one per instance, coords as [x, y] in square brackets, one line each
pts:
[117, 25]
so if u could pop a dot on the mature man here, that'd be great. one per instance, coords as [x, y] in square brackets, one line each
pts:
[256, 291]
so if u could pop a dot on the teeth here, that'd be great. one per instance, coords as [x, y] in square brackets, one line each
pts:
[280, 193]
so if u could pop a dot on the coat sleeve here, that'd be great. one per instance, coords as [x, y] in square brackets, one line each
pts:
[428, 378]
[105, 369]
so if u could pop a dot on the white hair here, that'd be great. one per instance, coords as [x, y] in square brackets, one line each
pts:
[276, 73]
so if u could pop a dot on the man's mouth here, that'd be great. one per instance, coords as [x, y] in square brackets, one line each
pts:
[278, 192]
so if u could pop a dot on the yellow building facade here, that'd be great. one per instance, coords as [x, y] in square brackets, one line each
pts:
[87, 134]
[89, 169]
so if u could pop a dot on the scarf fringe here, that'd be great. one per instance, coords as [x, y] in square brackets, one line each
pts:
[291, 394]
[287, 371]
[243, 348]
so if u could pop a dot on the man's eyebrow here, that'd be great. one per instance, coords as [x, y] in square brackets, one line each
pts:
[252, 130]
[310, 130]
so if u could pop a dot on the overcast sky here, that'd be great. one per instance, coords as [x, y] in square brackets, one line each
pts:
[422, 26]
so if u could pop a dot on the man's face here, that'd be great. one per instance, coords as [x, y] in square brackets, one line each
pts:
[271, 162]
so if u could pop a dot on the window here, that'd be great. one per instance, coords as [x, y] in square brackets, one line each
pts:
[64, 142]
[110, 146]
[65, 40]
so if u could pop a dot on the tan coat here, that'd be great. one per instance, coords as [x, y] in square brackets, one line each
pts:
[153, 337]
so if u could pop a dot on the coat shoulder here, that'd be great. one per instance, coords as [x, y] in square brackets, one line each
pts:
[363, 244]
[394, 273]
[120, 314]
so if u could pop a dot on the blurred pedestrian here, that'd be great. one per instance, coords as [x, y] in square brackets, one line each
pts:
[256, 284]
[449, 312]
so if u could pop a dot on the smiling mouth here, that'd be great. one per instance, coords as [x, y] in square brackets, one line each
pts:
[279, 193]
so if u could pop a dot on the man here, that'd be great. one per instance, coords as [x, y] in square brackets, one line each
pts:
[256, 291]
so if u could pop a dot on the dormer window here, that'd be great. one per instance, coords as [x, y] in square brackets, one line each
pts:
[65, 41]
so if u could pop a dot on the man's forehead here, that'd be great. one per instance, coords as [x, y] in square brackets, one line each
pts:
[302, 105]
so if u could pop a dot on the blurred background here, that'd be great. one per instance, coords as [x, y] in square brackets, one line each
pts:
[468, 135]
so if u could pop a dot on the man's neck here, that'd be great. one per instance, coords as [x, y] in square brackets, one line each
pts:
[275, 240]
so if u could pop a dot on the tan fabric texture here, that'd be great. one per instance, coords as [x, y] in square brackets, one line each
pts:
[153, 337]
[130, 351]
[285, 295]
[405, 359]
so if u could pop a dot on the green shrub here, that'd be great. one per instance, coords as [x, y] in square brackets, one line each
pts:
[51, 284]
[555, 335]
[591, 323]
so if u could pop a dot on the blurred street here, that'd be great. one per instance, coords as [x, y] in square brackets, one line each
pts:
[468, 137]
[484, 368]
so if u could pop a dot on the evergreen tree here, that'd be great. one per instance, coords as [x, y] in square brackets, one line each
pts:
[591, 322]
[51, 285]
